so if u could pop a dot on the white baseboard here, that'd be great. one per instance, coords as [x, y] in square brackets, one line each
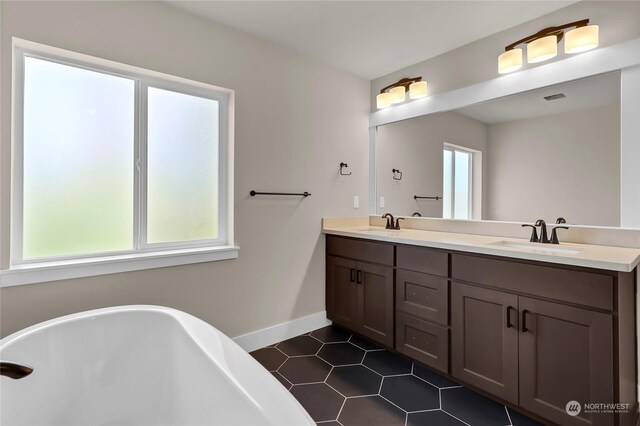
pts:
[277, 333]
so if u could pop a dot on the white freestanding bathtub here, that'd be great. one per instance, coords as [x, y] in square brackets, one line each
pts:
[138, 365]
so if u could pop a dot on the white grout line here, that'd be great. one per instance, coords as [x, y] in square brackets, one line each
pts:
[371, 369]
[362, 396]
[399, 375]
[392, 403]
[508, 416]
[278, 349]
[307, 383]
[340, 411]
[314, 337]
[423, 411]
[456, 418]
[440, 398]
[451, 387]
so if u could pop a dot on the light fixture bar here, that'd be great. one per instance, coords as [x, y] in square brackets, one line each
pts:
[543, 45]
[404, 82]
[557, 31]
[397, 92]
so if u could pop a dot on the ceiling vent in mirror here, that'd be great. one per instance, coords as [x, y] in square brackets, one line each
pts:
[543, 45]
[554, 97]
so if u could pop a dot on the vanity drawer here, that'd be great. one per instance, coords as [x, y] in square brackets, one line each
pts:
[422, 295]
[573, 286]
[367, 251]
[423, 260]
[423, 341]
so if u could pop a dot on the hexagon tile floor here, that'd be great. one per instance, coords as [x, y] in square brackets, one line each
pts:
[341, 379]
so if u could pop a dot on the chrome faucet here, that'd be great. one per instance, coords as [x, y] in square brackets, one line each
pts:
[13, 370]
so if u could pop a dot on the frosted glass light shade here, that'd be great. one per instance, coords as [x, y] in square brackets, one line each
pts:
[510, 61]
[383, 100]
[418, 90]
[581, 39]
[397, 94]
[542, 49]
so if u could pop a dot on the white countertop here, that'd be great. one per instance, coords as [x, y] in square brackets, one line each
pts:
[590, 256]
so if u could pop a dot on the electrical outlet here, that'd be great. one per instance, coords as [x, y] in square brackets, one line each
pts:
[381, 202]
[356, 202]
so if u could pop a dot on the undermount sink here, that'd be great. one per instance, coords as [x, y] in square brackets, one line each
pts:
[536, 247]
[376, 230]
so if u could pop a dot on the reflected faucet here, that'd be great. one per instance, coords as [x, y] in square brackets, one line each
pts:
[416, 214]
[13, 370]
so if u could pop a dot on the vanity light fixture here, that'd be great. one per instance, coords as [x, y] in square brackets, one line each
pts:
[543, 45]
[397, 92]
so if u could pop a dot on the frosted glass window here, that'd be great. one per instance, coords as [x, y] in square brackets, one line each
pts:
[78, 148]
[462, 180]
[447, 199]
[110, 160]
[182, 167]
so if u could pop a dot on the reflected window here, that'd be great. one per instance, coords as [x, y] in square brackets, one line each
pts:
[457, 182]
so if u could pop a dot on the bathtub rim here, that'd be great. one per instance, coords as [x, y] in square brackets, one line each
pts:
[184, 320]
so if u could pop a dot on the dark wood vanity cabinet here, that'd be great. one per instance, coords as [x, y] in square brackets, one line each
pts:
[484, 339]
[565, 354]
[533, 335]
[360, 293]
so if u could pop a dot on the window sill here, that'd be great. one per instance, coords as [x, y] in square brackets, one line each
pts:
[61, 270]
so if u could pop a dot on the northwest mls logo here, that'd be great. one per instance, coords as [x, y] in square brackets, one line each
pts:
[573, 408]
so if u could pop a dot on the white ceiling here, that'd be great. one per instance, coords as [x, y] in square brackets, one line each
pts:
[371, 38]
[590, 92]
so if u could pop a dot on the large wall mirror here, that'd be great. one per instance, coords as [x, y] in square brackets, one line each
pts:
[545, 153]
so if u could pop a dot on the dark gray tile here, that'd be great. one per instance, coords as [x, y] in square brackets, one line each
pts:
[281, 379]
[364, 344]
[270, 358]
[301, 345]
[432, 377]
[432, 418]
[410, 393]
[518, 419]
[473, 408]
[330, 423]
[341, 354]
[306, 369]
[321, 402]
[331, 334]
[387, 363]
[354, 380]
[369, 411]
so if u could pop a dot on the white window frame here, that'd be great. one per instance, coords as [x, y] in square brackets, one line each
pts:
[453, 148]
[143, 255]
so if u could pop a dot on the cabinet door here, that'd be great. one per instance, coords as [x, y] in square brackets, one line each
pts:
[341, 291]
[484, 339]
[565, 355]
[375, 302]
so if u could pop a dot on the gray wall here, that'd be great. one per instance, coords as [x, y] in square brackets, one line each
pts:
[291, 134]
[478, 61]
[559, 165]
[415, 147]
